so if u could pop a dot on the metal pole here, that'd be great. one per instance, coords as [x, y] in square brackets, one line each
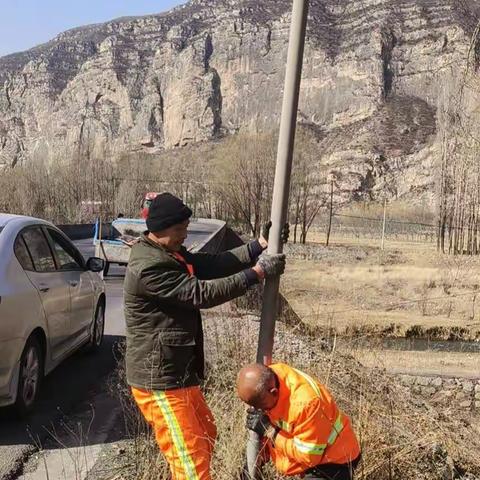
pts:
[281, 191]
[100, 246]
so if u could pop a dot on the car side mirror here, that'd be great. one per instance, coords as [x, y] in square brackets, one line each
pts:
[95, 264]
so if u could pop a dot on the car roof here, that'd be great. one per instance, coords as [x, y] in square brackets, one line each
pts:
[6, 218]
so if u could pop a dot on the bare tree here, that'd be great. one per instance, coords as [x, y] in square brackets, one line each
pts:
[243, 171]
[307, 198]
[459, 181]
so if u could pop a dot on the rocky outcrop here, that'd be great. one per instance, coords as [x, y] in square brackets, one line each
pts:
[373, 72]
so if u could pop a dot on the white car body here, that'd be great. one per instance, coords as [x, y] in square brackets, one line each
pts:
[55, 303]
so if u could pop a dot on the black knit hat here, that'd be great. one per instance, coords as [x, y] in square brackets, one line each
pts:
[166, 210]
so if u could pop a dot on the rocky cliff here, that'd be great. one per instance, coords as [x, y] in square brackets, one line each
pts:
[373, 73]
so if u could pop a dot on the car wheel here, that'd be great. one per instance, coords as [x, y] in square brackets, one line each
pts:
[30, 376]
[97, 328]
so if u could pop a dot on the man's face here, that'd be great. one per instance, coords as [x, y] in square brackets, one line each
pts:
[265, 401]
[175, 235]
[269, 399]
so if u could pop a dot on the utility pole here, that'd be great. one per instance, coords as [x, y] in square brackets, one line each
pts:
[281, 191]
[384, 227]
[330, 216]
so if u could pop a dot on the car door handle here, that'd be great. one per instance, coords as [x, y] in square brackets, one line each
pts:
[44, 289]
[73, 283]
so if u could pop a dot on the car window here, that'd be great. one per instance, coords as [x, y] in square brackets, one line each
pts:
[39, 250]
[66, 255]
[22, 254]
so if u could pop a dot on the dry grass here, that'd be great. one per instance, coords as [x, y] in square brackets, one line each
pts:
[400, 210]
[402, 437]
[453, 364]
[356, 285]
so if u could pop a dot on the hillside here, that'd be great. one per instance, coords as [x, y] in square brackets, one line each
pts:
[374, 71]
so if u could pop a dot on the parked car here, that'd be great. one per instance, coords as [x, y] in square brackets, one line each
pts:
[122, 235]
[52, 303]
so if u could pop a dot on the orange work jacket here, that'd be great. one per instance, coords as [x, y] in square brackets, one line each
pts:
[313, 430]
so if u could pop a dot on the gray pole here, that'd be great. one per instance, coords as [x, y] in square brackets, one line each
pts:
[384, 226]
[281, 191]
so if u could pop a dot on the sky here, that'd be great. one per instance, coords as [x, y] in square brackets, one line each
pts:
[26, 23]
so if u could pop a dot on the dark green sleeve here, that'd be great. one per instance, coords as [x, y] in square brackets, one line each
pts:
[179, 288]
[208, 266]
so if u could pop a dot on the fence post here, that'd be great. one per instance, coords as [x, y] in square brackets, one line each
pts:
[331, 214]
[384, 223]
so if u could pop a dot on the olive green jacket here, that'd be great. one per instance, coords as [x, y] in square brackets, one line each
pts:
[162, 309]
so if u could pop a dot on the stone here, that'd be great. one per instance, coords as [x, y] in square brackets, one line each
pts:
[465, 404]
[407, 379]
[424, 381]
[460, 396]
[437, 382]
[477, 388]
[467, 386]
[449, 383]
[443, 396]
[416, 389]
[206, 70]
[477, 405]
[427, 391]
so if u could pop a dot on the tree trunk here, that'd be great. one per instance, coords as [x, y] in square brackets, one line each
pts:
[330, 215]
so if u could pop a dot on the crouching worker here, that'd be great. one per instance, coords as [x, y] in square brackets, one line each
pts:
[304, 431]
[165, 288]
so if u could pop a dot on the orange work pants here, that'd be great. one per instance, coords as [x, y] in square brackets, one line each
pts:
[184, 429]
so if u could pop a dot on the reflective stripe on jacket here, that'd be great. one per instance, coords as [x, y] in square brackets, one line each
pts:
[313, 430]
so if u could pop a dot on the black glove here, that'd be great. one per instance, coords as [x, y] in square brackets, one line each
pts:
[257, 421]
[284, 235]
[271, 265]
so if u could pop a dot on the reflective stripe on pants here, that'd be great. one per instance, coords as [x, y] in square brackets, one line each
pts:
[184, 429]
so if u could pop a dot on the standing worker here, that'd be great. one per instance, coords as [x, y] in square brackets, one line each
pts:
[304, 431]
[165, 288]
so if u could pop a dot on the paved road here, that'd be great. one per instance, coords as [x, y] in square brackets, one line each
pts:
[74, 382]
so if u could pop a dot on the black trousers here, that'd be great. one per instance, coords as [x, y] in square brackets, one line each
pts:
[332, 471]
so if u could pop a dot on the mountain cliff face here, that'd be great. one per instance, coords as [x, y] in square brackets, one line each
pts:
[373, 73]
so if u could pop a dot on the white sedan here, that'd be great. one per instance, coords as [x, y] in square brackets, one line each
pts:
[52, 303]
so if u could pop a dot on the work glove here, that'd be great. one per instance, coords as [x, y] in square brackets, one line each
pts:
[284, 235]
[257, 421]
[271, 265]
